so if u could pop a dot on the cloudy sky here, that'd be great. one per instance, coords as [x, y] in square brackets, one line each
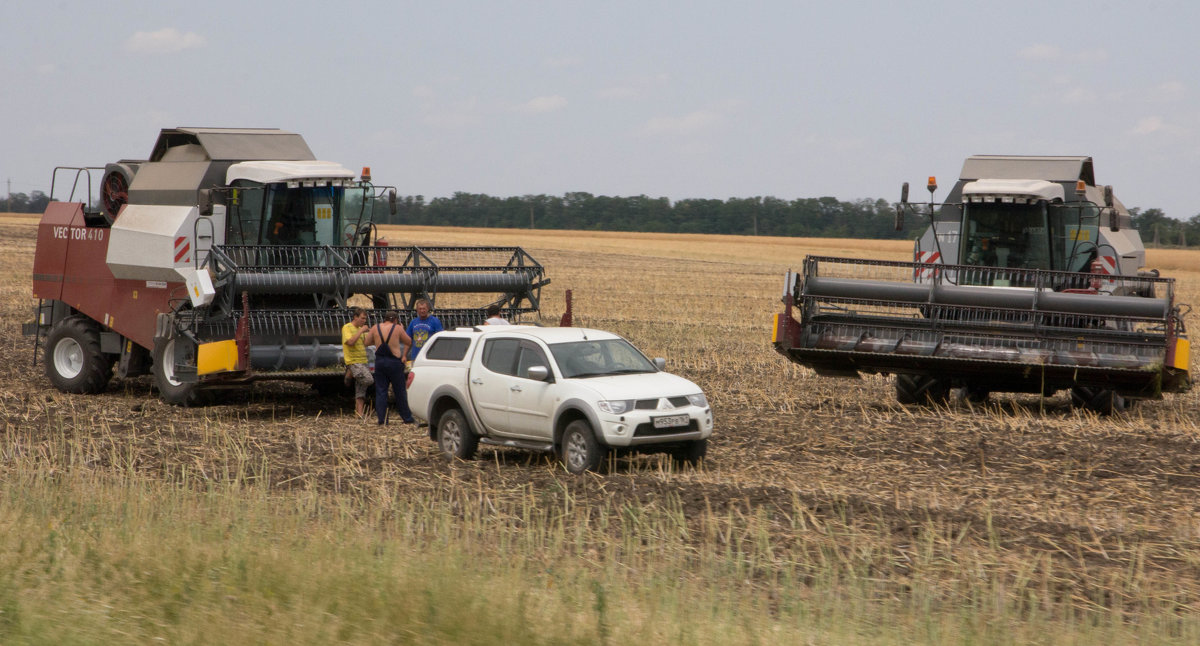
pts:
[676, 99]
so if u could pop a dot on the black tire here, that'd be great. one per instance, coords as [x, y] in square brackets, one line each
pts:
[170, 389]
[74, 362]
[691, 453]
[921, 389]
[976, 394]
[335, 388]
[455, 437]
[581, 451]
[1101, 401]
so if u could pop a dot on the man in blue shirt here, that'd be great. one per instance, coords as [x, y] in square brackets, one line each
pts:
[422, 327]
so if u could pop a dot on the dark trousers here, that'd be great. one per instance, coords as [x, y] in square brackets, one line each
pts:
[390, 371]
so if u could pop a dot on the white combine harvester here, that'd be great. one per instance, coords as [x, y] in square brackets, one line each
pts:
[1029, 279]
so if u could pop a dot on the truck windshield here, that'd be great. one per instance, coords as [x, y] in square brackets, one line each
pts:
[599, 358]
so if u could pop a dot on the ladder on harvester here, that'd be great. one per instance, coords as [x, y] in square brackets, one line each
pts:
[40, 328]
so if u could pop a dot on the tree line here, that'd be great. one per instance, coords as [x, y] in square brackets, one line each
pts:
[820, 217]
[813, 217]
[766, 216]
[21, 203]
[1159, 230]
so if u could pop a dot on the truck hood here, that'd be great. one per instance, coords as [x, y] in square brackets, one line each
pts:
[638, 386]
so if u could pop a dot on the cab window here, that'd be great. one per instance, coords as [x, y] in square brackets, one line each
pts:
[531, 355]
[500, 355]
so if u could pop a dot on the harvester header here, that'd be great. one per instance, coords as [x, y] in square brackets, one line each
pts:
[1028, 279]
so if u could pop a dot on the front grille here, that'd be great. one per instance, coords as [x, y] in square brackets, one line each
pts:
[652, 404]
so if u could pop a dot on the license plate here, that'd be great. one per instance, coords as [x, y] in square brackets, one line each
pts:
[670, 421]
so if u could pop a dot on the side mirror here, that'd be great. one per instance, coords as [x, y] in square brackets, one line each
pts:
[660, 363]
[392, 200]
[1114, 218]
[538, 373]
[204, 201]
[900, 207]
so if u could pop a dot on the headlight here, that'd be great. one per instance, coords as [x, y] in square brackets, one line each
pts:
[615, 406]
[698, 400]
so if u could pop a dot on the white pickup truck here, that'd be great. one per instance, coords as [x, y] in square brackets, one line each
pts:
[577, 392]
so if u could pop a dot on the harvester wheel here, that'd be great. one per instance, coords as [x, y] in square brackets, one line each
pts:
[580, 450]
[74, 362]
[169, 388]
[921, 389]
[455, 437]
[1101, 401]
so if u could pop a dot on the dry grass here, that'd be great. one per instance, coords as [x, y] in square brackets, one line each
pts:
[822, 485]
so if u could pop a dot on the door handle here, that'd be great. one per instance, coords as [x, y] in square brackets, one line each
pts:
[477, 381]
[516, 388]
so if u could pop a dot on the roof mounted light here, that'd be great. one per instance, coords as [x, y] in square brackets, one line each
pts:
[366, 174]
[1080, 188]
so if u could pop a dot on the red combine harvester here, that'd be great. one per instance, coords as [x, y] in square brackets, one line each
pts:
[232, 255]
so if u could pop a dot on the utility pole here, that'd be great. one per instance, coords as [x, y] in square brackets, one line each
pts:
[530, 216]
[8, 204]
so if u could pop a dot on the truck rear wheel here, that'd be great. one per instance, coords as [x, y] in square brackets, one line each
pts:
[169, 388]
[580, 450]
[74, 362]
[921, 389]
[455, 437]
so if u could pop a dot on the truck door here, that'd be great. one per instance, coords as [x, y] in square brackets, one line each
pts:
[489, 380]
[530, 400]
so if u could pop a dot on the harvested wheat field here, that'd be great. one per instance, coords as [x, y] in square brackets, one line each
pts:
[815, 487]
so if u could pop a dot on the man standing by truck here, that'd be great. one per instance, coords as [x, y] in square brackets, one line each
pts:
[388, 338]
[422, 327]
[354, 353]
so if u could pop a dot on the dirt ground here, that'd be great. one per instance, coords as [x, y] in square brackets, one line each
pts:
[1017, 481]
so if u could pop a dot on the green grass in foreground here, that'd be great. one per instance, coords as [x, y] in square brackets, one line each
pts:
[93, 560]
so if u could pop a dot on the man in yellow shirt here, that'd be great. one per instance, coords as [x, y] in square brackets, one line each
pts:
[354, 353]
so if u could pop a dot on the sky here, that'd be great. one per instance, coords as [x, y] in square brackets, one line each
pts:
[791, 99]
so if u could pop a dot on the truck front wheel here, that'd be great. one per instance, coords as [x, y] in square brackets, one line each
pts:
[580, 450]
[74, 362]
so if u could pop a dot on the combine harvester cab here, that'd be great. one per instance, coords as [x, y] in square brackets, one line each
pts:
[1028, 280]
[232, 255]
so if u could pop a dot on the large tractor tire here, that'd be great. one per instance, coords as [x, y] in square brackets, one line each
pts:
[74, 362]
[1101, 401]
[169, 388]
[921, 389]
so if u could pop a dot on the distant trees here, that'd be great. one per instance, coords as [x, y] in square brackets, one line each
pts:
[22, 203]
[767, 216]
[1158, 229]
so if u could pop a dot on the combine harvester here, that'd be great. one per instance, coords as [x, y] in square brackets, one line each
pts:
[1029, 279]
[232, 255]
